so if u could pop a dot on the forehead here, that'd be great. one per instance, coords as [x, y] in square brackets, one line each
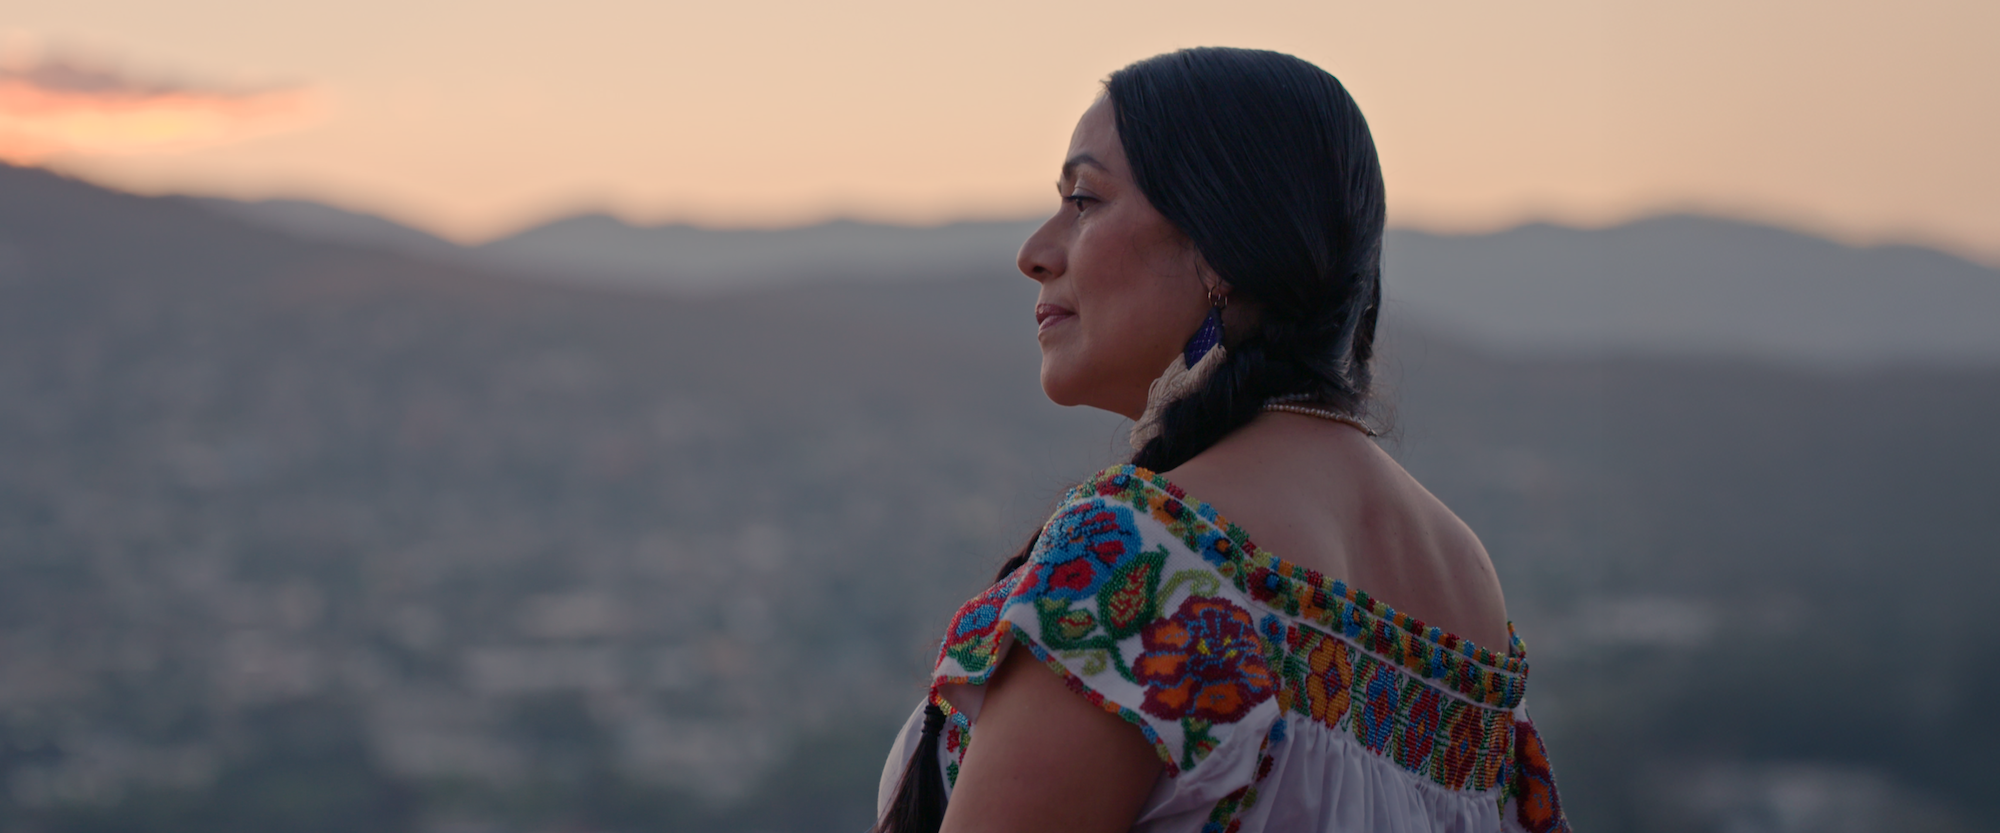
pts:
[1094, 143]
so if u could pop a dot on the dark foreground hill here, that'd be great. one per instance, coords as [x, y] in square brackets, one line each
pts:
[302, 536]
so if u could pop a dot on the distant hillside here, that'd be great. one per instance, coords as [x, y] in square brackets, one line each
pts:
[1687, 285]
[1679, 285]
[601, 248]
[682, 259]
[319, 222]
[314, 537]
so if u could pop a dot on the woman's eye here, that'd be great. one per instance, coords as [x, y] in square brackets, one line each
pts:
[1079, 200]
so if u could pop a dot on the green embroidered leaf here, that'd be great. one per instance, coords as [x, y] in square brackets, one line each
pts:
[1127, 600]
[1094, 660]
[1275, 651]
[1067, 628]
[1296, 669]
[1196, 742]
[1075, 625]
[1202, 582]
[974, 655]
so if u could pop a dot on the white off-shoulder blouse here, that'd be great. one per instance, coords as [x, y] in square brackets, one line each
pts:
[1277, 699]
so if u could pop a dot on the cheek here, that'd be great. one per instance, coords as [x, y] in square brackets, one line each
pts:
[1127, 336]
[1128, 328]
[1135, 313]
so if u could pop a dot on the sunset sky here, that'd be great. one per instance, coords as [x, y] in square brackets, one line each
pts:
[1867, 121]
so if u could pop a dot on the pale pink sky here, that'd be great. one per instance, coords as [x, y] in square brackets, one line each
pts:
[1868, 121]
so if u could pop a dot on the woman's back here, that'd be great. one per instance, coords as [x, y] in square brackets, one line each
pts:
[1323, 496]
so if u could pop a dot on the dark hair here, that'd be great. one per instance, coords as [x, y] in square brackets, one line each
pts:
[1265, 163]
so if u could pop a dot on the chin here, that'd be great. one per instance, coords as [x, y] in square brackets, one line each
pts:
[1070, 389]
[1059, 387]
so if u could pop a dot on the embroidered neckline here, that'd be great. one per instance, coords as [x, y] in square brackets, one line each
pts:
[1181, 626]
[1309, 590]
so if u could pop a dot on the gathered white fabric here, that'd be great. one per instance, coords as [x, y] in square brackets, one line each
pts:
[1277, 699]
[1320, 781]
[1177, 381]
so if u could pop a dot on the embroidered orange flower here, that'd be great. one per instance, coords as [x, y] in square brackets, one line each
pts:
[1204, 662]
[1330, 675]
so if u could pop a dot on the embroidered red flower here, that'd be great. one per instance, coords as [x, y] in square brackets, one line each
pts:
[1262, 583]
[1205, 662]
[970, 639]
[1418, 735]
[1540, 808]
[1465, 737]
[1076, 575]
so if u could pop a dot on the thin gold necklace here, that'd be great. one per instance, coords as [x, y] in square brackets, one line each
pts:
[1322, 413]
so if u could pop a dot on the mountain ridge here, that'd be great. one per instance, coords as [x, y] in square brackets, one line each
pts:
[1676, 284]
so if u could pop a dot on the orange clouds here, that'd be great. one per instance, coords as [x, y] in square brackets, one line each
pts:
[61, 107]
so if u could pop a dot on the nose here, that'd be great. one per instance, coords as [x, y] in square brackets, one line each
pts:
[1042, 257]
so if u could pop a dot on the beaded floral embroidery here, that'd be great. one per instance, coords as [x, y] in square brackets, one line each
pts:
[1539, 809]
[1191, 639]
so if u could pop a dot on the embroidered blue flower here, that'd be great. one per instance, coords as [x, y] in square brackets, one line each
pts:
[1080, 550]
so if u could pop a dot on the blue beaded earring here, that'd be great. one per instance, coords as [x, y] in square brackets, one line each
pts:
[1210, 333]
[1199, 357]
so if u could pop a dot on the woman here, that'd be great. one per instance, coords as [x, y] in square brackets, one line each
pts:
[1222, 218]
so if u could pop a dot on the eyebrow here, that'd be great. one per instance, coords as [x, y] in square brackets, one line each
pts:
[1069, 167]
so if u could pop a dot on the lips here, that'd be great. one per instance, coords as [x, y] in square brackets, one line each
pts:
[1049, 315]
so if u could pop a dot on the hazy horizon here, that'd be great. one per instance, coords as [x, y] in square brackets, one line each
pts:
[639, 218]
[1845, 120]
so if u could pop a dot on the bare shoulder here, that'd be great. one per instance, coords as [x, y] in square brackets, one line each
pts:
[1048, 759]
[1447, 576]
[1326, 497]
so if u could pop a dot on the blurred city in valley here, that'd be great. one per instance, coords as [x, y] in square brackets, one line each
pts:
[310, 521]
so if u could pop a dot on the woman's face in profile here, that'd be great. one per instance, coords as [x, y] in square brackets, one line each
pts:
[1122, 289]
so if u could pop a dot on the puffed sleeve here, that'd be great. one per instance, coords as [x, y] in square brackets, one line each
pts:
[1120, 600]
